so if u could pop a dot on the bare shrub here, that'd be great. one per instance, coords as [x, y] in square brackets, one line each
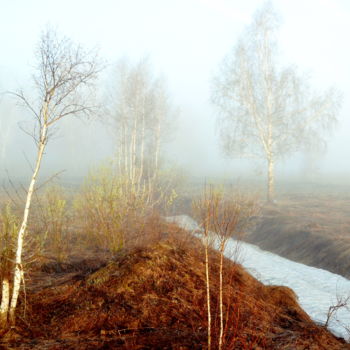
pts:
[222, 216]
[111, 210]
[54, 222]
[342, 302]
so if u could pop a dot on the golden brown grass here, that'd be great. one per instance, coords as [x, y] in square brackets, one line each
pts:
[152, 296]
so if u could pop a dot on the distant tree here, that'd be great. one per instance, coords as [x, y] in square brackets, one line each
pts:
[267, 111]
[65, 73]
[141, 116]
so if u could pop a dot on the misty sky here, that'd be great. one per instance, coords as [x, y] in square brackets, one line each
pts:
[185, 41]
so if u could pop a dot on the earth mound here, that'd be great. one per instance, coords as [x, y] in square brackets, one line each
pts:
[154, 297]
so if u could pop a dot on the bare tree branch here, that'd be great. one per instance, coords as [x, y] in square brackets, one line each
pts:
[65, 72]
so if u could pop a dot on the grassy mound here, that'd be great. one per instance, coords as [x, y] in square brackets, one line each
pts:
[154, 297]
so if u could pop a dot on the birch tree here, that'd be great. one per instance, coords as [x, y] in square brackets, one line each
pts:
[267, 111]
[141, 117]
[65, 74]
[221, 217]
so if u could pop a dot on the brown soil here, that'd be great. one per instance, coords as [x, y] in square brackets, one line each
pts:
[154, 297]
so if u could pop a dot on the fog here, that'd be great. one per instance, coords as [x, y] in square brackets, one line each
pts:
[185, 41]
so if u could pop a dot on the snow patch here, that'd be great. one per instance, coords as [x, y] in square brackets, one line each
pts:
[316, 289]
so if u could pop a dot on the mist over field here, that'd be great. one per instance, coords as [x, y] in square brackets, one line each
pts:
[185, 42]
[175, 174]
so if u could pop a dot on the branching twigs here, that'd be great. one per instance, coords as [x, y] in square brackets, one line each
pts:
[64, 71]
[225, 216]
[342, 302]
[266, 110]
[202, 210]
[141, 115]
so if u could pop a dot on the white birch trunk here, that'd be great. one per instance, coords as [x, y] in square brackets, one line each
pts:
[268, 76]
[270, 180]
[142, 148]
[125, 150]
[135, 149]
[208, 288]
[221, 298]
[157, 150]
[18, 273]
[5, 302]
[133, 153]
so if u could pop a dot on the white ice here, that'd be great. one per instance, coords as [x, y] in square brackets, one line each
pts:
[316, 289]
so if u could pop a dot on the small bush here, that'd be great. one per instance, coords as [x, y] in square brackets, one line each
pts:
[112, 209]
[50, 225]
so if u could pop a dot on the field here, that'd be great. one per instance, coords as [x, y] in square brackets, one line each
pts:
[100, 275]
[310, 225]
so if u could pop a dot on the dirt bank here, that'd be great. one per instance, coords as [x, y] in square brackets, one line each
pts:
[154, 297]
[313, 230]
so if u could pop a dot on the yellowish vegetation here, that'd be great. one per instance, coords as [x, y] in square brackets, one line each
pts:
[9, 228]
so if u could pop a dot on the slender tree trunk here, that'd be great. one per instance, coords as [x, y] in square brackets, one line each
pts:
[270, 179]
[131, 156]
[220, 297]
[18, 273]
[125, 151]
[208, 289]
[133, 153]
[268, 76]
[120, 153]
[5, 302]
[157, 148]
[142, 148]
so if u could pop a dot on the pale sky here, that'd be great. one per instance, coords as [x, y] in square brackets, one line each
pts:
[185, 40]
